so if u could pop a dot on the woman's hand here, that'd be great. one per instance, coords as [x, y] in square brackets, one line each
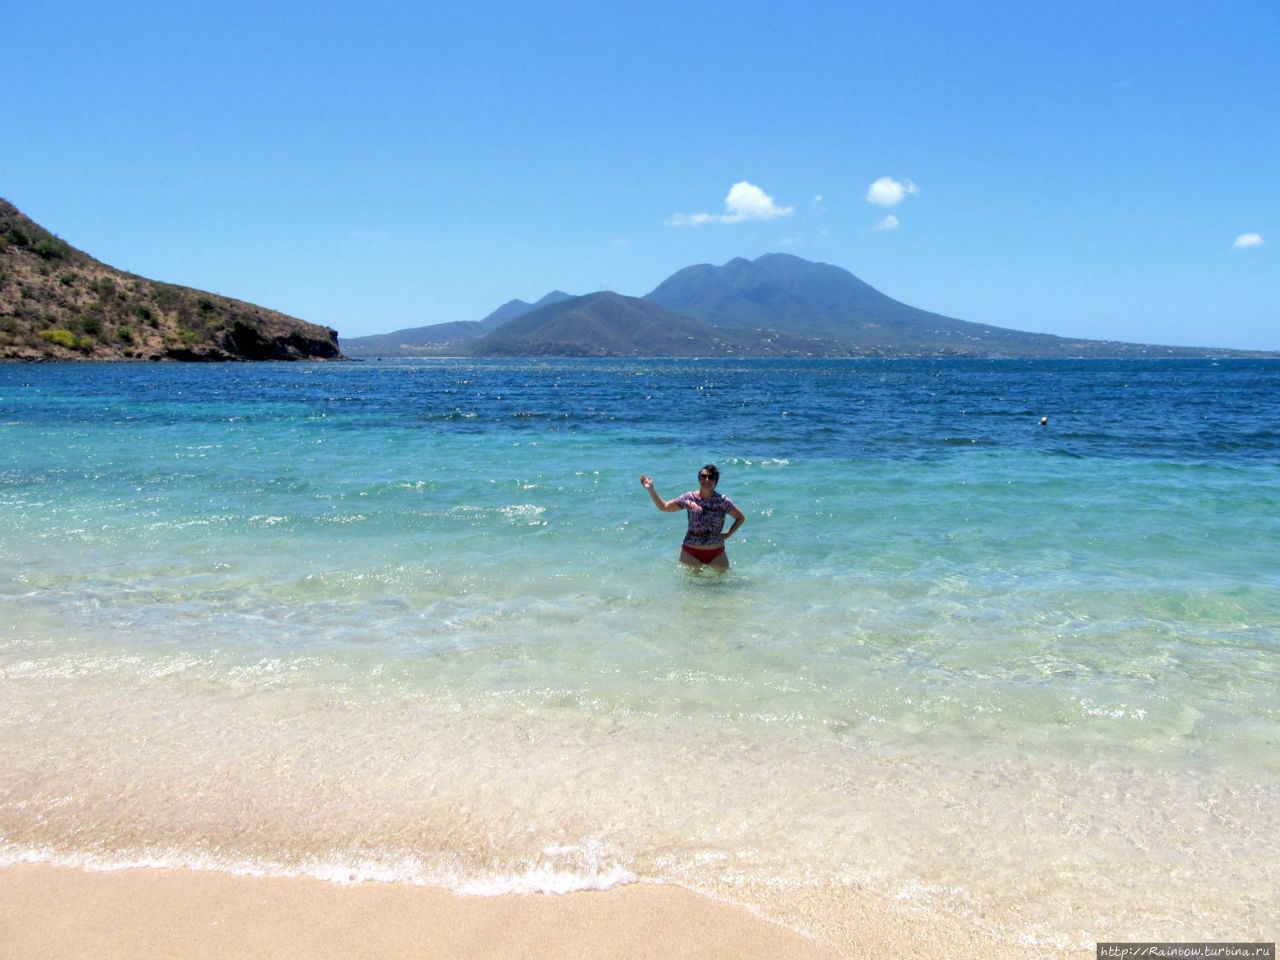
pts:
[670, 506]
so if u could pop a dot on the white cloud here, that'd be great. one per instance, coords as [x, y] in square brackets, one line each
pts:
[1248, 240]
[888, 223]
[888, 192]
[745, 202]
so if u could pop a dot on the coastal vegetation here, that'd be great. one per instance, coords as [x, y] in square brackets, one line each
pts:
[59, 303]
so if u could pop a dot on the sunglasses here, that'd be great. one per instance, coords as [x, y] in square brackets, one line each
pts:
[705, 476]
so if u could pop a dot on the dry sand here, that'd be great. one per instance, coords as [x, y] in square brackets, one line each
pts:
[61, 912]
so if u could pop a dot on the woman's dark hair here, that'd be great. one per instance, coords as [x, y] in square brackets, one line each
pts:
[710, 469]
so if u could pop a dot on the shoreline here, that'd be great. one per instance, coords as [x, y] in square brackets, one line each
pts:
[142, 913]
[60, 911]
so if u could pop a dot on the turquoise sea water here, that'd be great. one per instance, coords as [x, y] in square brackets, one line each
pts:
[419, 621]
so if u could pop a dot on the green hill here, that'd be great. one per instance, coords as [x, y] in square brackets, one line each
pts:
[598, 325]
[59, 303]
[441, 338]
[610, 325]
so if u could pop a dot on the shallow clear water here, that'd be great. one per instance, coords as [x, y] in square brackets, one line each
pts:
[419, 621]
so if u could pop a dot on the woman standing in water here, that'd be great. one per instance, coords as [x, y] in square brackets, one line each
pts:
[704, 543]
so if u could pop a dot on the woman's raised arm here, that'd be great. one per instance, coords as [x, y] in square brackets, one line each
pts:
[670, 506]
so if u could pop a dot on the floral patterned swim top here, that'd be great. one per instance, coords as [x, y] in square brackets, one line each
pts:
[705, 524]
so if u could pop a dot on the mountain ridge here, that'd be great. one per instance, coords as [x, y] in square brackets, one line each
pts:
[59, 303]
[775, 305]
[610, 324]
[769, 290]
[434, 338]
[595, 324]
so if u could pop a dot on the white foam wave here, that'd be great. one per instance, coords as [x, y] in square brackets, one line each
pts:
[544, 878]
[541, 877]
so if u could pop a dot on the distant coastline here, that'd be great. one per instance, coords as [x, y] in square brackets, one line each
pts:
[58, 303]
[775, 306]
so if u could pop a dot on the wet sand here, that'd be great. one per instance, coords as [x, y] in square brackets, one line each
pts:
[49, 911]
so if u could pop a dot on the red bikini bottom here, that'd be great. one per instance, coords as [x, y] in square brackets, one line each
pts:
[702, 554]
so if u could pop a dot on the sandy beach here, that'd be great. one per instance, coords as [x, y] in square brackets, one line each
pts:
[61, 912]
[48, 911]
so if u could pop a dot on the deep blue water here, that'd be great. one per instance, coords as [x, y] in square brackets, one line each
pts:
[1180, 410]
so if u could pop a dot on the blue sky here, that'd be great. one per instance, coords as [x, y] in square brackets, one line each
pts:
[1088, 169]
